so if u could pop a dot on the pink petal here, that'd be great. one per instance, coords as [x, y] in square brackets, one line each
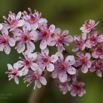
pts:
[60, 55]
[84, 35]
[99, 73]
[34, 35]
[60, 48]
[70, 59]
[34, 66]
[88, 56]
[88, 44]
[50, 67]
[24, 71]
[53, 58]
[77, 63]
[57, 31]
[20, 48]
[20, 23]
[1, 47]
[37, 83]
[9, 66]
[73, 93]
[11, 42]
[43, 80]
[94, 54]
[26, 27]
[84, 69]
[45, 51]
[51, 41]
[4, 31]
[63, 77]
[18, 15]
[7, 49]
[43, 44]
[89, 64]
[34, 26]
[65, 32]
[52, 28]
[71, 70]
[100, 38]
[16, 80]
[80, 54]
[75, 48]
[30, 46]
[68, 39]
[41, 20]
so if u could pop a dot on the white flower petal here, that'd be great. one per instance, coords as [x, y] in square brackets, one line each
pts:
[60, 55]
[63, 77]
[34, 35]
[30, 46]
[9, 66]
[11, 42]
[50, 67]
[16, 80]
[20, 48]
[43, 80]
[45, 51]
[34, 66]
[7, 49]
[54, 58]
[70, 59]
[43, 44]
[71, 70]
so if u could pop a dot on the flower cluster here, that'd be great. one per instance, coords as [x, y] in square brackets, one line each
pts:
[23, 30]
[90, 49]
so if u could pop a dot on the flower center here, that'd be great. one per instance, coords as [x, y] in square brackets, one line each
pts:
[92, 39]
[60, 39]
[34, 77]
[83, 61]
[98, 65]
[62, 67]
[25, 37]
[99, 50]
[45, 34]
[27, 62]
[12, 22]
[32, 18]
[4, 40]
[45, 60]
[14, 72]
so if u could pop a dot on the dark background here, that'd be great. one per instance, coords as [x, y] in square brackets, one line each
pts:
[64, 14]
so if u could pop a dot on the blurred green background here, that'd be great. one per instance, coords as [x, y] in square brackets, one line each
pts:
[64, 14]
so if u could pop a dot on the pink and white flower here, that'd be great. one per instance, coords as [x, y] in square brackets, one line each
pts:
[61, 39]
[35, 76]
[28, 62]
[5, 41]
[34, 19]
[14, 72]
[84, 61]
[88, 26]
[13, 21]
[45, 35]
[98, 51]
[46, 61]
[64, 67]
[93, 39]
[64, 87]
[80, 42]
[25, 37]
[97, 65]
[77, 88]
